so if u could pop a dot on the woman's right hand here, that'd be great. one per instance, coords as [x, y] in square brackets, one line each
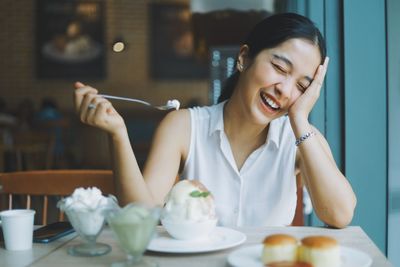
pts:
[97, 111]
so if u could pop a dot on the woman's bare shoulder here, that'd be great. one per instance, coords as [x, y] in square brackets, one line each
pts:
[175, 127]
[177, 118]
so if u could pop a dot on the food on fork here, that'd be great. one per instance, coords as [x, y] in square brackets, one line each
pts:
[174, 103]
[319, 251]
[279, 248]
[189, 211]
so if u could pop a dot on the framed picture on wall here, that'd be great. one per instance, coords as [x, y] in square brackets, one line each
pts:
[172, 53]
[70, 39]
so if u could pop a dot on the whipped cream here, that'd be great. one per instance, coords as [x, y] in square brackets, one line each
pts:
[85, 209]
[86, 199]
[174, 103]
[189, 201]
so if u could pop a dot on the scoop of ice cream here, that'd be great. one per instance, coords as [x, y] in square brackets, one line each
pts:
[86, 199]
[189, 201]
[174, 103]
[131, 214]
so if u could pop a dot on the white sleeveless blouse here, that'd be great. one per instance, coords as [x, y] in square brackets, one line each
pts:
[263, 192]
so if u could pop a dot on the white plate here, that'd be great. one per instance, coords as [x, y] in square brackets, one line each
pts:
[251, 257]
[220, 238]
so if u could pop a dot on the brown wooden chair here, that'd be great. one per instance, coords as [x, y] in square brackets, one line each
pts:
[53, 183]
[298, 219]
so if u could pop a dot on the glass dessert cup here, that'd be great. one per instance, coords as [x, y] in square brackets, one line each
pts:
[88, 223]
[133, 227]
[89, 247]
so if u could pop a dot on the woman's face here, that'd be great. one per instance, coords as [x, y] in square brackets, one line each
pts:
[276, 78]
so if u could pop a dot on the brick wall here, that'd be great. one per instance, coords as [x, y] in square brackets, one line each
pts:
[127, 72]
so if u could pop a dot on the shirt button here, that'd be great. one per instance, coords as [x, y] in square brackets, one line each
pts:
[236, 211]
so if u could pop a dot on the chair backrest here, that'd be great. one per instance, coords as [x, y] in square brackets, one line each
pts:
[298, 219]
[53, 183]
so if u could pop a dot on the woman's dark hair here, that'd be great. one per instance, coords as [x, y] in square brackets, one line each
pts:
[270, 33]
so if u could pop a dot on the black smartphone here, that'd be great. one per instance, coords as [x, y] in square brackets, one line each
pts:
[52, 232]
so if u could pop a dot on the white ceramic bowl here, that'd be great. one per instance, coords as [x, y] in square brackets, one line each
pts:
[187, 230]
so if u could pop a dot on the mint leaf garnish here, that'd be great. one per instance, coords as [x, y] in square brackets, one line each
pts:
[197, 193]
[205, 194]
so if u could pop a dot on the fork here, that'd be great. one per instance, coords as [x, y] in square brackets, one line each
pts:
[164, 107]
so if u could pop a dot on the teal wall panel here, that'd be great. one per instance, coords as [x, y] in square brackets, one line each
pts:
[393, 25]
[352, 109]
[366, 113]
[328, 113]
[334, 95]
[315, 11]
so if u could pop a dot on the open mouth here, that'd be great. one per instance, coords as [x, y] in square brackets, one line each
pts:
[269, 102]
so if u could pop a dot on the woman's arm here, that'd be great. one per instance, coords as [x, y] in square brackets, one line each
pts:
[168, 153]
[161, 167]
[129, 183]
[331, 194]
[161, 170]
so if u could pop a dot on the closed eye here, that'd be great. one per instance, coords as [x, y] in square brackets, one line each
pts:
[301, 87]
[279, 68]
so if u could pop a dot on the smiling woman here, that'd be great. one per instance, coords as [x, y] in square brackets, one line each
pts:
[244, 148]
[289, 66]
[274, 31]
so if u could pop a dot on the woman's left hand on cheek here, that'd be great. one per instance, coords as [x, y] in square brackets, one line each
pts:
[302, 107]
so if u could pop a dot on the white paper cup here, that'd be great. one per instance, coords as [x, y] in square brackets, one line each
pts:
[17, 228]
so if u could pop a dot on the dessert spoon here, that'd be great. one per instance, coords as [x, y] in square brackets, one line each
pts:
[171, 104]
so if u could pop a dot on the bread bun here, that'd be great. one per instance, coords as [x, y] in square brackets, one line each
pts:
[319, 251]
[279, 248]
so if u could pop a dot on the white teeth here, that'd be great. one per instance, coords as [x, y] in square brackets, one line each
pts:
[271, 102]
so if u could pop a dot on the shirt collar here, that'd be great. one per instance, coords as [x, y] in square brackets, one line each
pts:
[274, 132]
[217, 119]
[217, 124]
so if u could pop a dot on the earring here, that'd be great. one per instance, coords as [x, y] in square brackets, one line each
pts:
[240, 66]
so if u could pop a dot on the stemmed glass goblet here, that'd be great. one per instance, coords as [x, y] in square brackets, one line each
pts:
[133, 227]
[88, 222]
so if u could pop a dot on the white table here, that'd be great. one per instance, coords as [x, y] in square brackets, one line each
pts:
[55, 253]
[39, 251]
